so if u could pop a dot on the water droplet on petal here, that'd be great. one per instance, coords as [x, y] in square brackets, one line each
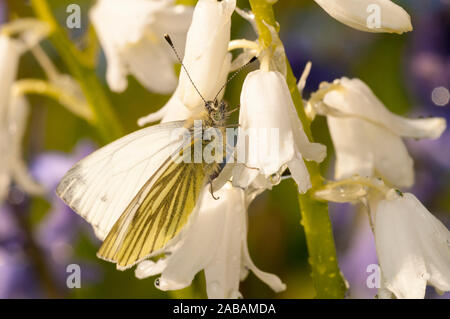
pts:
[425, 276]
[275, 179]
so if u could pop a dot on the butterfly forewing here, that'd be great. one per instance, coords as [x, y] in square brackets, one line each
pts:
[101, 186]
[156, 214]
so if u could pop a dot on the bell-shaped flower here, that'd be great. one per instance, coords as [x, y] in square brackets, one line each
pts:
[368, 137]
[174, 110]
[215, 241]
[369, 15]
[271, 136]
[206, 58]
[13, 107]
[10, 52]
[413, 247]
[12, 165]
[132, 36]
[15, 39]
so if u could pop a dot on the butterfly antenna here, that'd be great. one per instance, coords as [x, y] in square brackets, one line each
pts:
[234, 74]
[169, 40]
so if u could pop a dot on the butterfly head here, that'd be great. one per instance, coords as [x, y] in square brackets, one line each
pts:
[217, 112]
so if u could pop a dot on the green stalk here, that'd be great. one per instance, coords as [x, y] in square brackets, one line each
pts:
[81, 69]
[41, 87]
[327, 278]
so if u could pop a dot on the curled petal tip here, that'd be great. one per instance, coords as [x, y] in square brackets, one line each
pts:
[369, 15]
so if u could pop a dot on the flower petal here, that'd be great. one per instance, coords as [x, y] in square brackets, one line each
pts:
[196, 250]
[175, 21]
[353, 154]
[366, 135]
[174, 110]
[137, 45]
[356, 99]
[269, 279]
[10, 52]
[300, 173]
[243, 176]
[264, 117]
[148, 268]
[223, 272]
[412, 246]
[25, 32]
[206, 54]
[392, 160]
[151, 66]
[116, 73]
[357, 14]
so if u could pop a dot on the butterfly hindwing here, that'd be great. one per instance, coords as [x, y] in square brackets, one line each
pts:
[156, 215]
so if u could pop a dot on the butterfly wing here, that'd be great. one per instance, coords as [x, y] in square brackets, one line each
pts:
[156, 214]
[101, 186]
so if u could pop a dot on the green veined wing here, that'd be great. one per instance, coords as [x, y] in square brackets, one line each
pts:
[155, 215]
[101, 186]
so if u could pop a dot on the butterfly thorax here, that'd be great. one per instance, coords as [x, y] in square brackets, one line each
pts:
[213, 119]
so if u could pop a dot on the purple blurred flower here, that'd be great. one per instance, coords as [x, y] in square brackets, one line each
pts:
[355, 248]
[59, 229]
[357, 257]
[304, 41]
[436, 152]
[61, 224]
[54, 235]
[433, 294]
[3, 11]
[429, 62]
[16, 277]
[342, 217]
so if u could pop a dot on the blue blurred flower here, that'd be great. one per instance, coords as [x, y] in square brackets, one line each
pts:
[355, 247]
[54, 235]
[58, 231]
[17, 279]
[429, 62]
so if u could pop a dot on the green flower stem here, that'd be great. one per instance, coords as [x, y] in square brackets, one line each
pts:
[41, 87]
[328, 281]
[83, 71]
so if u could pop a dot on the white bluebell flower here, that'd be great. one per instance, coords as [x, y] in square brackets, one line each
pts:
[131, 34]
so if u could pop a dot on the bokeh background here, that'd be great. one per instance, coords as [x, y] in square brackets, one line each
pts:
[40, 236]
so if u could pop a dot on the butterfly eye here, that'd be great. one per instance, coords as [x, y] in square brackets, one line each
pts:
[211, 106]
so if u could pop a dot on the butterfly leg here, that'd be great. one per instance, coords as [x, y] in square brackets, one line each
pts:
[211, 190]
